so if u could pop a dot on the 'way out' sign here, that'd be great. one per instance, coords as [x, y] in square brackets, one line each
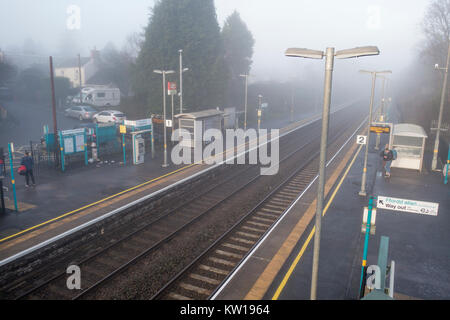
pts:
[420, 207]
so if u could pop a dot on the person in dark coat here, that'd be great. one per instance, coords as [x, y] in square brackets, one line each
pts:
[28, 162]
[387, 156]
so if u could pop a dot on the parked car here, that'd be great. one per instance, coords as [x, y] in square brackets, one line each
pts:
[109, 116]
[81, 112]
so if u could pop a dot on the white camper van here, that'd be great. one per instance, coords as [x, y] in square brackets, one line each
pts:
[100, 96]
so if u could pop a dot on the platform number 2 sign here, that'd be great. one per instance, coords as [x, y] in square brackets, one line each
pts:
[361, 139]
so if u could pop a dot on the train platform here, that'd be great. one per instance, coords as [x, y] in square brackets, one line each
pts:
[280, 268]
[63, 202]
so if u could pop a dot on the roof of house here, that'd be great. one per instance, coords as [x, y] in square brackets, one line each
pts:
[101, 77]
[72, 63]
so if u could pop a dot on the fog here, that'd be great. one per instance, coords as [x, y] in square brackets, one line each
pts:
[393, 26]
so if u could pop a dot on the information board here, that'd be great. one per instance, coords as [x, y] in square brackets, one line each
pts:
[413, 206]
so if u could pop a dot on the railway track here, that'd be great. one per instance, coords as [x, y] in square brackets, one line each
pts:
[113, 259]
[202, 277]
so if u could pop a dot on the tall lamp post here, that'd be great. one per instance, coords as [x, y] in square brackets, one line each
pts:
[181, 79]
[329, 54]
[164, 72]
[381, 117]
[441, 107]
[259, 111]
[245, 76]
[362, 192]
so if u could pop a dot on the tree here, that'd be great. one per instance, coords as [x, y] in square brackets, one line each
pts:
[424, 95]
[190, 25]
[436, 28]
[238, 42]
[7, 73]
[115, 67]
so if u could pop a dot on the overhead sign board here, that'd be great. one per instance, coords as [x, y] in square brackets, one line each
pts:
[380, 129]
[413, 206]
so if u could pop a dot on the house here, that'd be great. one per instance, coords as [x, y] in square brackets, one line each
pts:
[71, 69]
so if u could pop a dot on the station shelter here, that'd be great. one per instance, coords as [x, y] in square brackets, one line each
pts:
[196, 123]
[409, 142]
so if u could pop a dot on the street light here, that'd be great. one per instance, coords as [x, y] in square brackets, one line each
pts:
[245, 105]
[382, 111]
[329, 54]
[362, 192]
[164, 72]
[181, 79]
[441, 107]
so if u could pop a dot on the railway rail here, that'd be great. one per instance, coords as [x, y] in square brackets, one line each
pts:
[203, 276]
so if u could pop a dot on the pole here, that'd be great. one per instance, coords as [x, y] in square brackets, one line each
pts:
[13, 181]
[172, 113]
[181, 80]
[153, 139]
[55, 126]
[444, 90]
[362, 192]
[259, 112]
[165, 129]
[79, 73]
[366, 245]
[245, 106]
[123, 148]
[377, 144]
[292, 104]
[2, 198]
[323, 154]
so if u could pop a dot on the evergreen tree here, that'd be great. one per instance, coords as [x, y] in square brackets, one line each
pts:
[238, 42]
[190, 25]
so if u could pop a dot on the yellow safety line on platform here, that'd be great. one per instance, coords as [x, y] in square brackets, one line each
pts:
[94, 203]
[308, 240]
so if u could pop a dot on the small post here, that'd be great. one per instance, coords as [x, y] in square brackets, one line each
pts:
[55, 126]
[448, 165]
[61, 149]
[366, 245]
[2, 198]
[123, 148]
[13, 182]
[153, 140]
[85, 148]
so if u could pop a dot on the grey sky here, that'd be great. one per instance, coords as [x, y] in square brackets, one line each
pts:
[394, 26]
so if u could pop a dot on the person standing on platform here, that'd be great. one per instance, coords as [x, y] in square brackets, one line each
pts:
[28, 162]
[387, 156]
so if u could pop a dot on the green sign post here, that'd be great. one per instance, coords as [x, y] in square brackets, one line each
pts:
[13, 182]
[366, 245]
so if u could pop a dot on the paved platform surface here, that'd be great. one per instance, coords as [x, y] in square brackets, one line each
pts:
[417, 243]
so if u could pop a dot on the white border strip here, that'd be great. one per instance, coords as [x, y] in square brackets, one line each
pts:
[124, 207]
[243, 262]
